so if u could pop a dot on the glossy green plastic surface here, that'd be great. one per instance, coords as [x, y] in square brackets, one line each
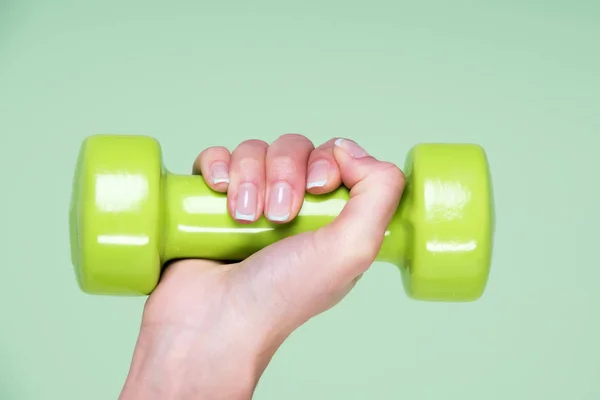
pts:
[129, 216]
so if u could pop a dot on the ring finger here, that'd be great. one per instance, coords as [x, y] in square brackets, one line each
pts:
[286, 176]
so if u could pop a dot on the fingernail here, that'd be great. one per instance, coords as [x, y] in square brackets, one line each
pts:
[317, 174]
[280, 202]
[351, 148]
[220, 172]
[247, 201]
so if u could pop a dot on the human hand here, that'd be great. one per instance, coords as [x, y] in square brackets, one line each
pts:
[210, 329]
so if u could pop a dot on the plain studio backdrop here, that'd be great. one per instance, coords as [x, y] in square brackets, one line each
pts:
[520, 78]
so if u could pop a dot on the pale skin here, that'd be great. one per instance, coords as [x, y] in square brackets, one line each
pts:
[210, 329]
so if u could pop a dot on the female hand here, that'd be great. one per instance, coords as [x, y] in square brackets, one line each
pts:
[210, 329]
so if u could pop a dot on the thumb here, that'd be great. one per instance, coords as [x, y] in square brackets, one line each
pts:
[355, 237]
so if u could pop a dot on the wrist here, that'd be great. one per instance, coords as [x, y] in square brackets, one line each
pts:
[175, 362]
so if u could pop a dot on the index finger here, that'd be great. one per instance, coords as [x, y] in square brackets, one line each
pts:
[323, 171]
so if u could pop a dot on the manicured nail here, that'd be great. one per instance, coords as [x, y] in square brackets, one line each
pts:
[280, 202]
[351, 148]
[220, 172]
[317, 174]
[247, 201]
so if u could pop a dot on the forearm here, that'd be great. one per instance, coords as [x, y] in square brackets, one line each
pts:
[174, 363]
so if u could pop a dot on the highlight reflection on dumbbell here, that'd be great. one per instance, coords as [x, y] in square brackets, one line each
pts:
[129, 216]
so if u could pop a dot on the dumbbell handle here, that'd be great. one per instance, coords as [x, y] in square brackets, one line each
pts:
[196, 223]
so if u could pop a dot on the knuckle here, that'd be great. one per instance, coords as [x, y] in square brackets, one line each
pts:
[352, 254]
[365, 252]
[215, 151]
[321, 154]
[393, 174]
[293, 137]
[283, 165]
[218, 148]
[249, 165]
[254, 143]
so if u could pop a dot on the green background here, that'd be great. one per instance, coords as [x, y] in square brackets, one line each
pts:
[521, 78]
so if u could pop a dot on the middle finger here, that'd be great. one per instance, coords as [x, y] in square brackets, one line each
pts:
[247, 181]
[286, 176]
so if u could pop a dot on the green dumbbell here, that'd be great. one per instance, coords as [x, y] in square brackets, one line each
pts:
[129, 216]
